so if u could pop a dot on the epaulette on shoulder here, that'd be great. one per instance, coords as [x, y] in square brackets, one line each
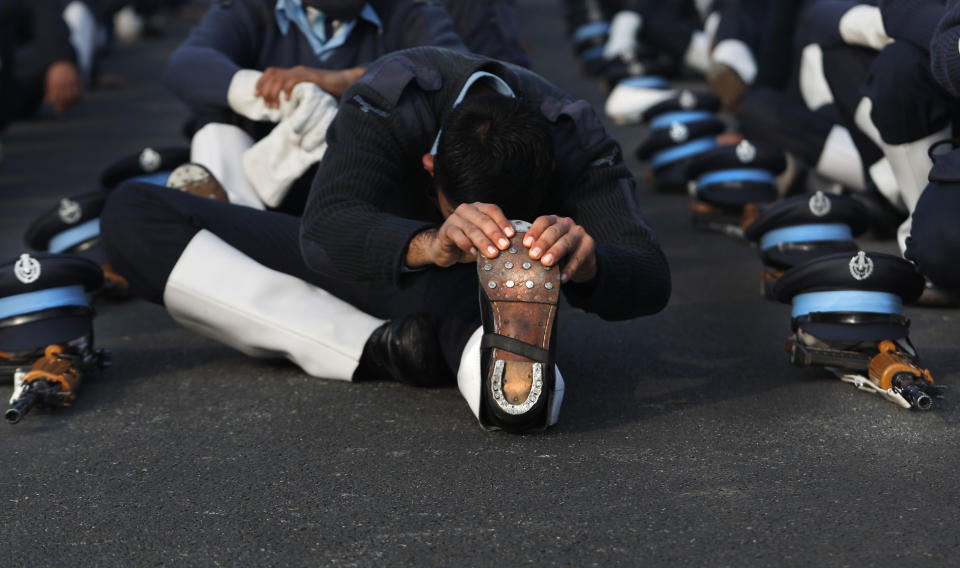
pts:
[366, 106]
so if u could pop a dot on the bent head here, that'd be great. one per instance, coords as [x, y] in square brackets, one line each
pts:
[495, 149]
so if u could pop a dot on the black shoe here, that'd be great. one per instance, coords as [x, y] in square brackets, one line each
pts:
[936, 297]
[518, 306]
[404, 350]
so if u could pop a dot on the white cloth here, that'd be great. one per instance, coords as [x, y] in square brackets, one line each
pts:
[242, 98]
[217, 291]
[296, 143]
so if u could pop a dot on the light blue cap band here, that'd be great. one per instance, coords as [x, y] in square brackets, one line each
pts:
[806, 234]
[664, 120]
[590, 30]
[74, 236]
[669, 155]
[157, 178]
[592, 54]
[847, 301]
[42, 300]
[647, 82]
[742, 174]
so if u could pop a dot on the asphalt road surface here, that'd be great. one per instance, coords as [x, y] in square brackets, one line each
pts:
[686, 438]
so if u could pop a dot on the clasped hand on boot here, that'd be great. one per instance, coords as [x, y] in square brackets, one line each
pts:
[473, 227]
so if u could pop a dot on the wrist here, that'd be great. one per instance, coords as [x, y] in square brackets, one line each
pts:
[420, 249]
[586, 274]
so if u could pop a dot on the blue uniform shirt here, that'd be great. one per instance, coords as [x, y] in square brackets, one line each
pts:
[291, 11]
[246, 34]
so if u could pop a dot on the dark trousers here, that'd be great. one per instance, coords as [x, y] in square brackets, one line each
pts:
[908, 104]
[146, 228]
[7, 78]
[934, 241]
[667, 26]
[31, 81]
[775, 118]
[846, 69]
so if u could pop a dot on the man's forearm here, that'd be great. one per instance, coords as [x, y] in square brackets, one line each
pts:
[336, 82]
[419, 250]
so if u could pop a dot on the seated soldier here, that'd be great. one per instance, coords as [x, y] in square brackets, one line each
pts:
[246, 56]
[933, 242]
[38, 61]
[430, 155]
[875, 68]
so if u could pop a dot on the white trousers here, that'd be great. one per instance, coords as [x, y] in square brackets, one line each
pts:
[217, 291]
[83, 35]
[910, 164]
[219, 148]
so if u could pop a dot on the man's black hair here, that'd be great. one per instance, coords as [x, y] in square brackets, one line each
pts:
[495, 149]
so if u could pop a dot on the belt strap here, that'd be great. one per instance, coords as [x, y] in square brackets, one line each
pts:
[512, 345]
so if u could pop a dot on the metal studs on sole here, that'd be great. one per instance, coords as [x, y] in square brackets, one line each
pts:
[496, 386]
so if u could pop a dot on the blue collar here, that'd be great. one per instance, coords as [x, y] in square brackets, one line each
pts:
[292, 11]
[494, 82]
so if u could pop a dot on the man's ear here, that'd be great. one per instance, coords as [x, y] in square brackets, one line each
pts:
[428, 163]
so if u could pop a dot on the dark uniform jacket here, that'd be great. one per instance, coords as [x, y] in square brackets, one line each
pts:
[371, 194]
[945, 49]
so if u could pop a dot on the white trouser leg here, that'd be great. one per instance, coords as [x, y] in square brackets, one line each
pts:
[840, 160]
[83, 34]
[814, 87]
[697, 56]
[622, 37]
[910, 162]
[220, 148]
[903, 231]
[127, 24]
[221, 293]
[471, 383]
[882, 175]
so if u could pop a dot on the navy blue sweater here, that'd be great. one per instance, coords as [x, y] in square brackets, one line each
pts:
[244, 35]
[912, 20]
[371, 195]
[945, 49]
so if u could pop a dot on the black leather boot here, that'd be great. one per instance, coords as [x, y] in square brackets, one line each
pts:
[518, 307]
[404, 350]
